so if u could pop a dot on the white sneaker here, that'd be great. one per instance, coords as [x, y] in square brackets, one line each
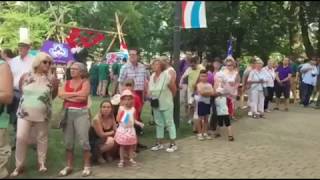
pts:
[267, 111]
[250, 113]
[206, 136]
[172, 148]
[200, 137]
[157, 147]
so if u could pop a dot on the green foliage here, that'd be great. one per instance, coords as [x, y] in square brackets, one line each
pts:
[12, 21]
[257, 28]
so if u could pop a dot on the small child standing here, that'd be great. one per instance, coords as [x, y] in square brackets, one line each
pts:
[204, 90]
[126, 135]
[223, 113]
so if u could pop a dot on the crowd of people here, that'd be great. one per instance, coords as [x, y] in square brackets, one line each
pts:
[29, 85]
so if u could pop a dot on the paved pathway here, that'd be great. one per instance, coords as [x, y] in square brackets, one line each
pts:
[285, 145]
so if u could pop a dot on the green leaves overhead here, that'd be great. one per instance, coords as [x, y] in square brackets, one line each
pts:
[257, 27]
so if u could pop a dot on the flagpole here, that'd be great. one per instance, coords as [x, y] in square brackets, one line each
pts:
[176, 58]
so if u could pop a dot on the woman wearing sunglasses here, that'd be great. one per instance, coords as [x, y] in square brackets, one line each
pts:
[38, 89]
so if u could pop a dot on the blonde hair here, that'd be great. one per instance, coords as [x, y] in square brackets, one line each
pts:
[230, 59]
[42, 56]
[162, 63]
[259, 61]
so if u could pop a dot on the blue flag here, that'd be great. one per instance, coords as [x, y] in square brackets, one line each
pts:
[229, 51]
[126, 118]
[60, 52]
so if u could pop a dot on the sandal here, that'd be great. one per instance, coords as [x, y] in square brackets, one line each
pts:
[217, 135]
[65, 171]
[86, 171]
[121, 164]
[43, 168]
[231, 138]
[16, 172]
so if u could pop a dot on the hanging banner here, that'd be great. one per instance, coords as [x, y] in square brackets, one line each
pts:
[115, 57]
[60, 52]
[194, 14]
[84, 38]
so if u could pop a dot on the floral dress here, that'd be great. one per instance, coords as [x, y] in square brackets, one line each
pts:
[125, 133]
[35, 103]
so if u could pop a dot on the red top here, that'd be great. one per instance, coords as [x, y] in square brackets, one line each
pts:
[137, 103]
[68, 104]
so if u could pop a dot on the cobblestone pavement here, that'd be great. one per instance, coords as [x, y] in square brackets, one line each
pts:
[285, 145]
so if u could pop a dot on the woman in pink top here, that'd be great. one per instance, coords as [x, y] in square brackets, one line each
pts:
[231, 80]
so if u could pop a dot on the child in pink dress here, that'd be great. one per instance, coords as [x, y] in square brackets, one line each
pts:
[126, 135]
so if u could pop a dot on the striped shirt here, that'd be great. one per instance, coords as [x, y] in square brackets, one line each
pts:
[138, 73]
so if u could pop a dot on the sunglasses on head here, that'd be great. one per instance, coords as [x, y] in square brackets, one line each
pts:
[46, 62]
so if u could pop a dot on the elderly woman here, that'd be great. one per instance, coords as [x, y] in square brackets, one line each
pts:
[6, 96]
[282, 83]
[231, 80]
[38, 89]
[161, 91]
[271, 76]
[76, 123]
[256, 79]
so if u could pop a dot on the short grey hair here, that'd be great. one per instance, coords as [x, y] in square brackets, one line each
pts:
[83, 69]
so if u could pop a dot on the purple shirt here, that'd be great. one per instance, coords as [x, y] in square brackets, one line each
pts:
[284, 72]
[210, 77]
[183, 67]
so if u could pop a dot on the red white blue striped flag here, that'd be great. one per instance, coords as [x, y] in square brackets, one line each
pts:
[194, 14]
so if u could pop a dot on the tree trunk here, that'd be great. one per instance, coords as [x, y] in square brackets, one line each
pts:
[293, 29]
[304, 30]
[318, 38]
[239, 35]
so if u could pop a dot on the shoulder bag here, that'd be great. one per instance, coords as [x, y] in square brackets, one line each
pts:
[154, 102]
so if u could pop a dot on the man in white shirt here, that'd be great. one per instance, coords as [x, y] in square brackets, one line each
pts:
[309, 79]
[19, 65]
[270, 73]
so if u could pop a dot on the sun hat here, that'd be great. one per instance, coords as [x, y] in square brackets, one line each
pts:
[126, 93]
[24, 42]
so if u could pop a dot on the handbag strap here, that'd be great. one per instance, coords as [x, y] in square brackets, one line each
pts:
[162, 87]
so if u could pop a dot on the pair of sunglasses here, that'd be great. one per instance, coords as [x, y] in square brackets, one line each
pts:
[46, 62]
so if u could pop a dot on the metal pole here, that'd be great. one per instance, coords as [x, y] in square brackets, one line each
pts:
[176, 58]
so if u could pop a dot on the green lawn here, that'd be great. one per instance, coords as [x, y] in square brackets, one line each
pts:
[56, 152]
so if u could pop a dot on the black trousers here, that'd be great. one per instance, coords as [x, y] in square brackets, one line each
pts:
[214, 117]
[307, 90]
[269, 98]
